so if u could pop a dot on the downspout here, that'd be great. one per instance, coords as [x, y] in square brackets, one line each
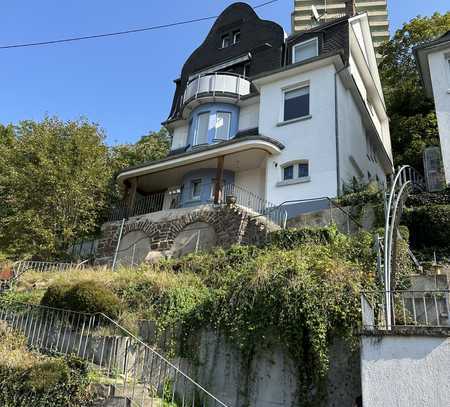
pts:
[336, 129]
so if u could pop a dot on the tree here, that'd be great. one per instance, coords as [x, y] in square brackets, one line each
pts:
[53, 185]
[57, 182]
[150, 147]
[412, 114]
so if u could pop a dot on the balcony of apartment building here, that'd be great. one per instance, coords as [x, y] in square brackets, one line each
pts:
[215, 87]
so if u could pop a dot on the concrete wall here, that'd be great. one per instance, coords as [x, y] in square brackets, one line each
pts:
[440, 76]
[312, 139]
[405, 370]
[353, 143]
[249, 115]
[252, 180]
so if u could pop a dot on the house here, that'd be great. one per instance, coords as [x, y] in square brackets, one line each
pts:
[433, 59]
[268, 121]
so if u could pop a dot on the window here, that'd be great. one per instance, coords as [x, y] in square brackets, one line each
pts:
[303, 170]
[223, 120]
[201, 133]
[297, 171]
[236, 36]
[226, 41]
[296, 103]
[288, 172]
[196, 189]
[305, 50]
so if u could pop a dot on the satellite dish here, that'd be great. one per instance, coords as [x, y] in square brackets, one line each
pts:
[315, 13]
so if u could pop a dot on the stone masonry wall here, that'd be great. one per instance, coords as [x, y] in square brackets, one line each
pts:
[232, 224]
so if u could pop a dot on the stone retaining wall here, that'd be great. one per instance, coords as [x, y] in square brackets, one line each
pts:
[231, 224]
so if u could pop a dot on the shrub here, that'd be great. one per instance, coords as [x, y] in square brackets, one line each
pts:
[429, 198]
[430, 227]
[87, 296]
[29, 379]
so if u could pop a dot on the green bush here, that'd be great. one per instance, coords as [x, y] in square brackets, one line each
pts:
[429, 228]
[28, 379]
[429, 198]
[86, 296]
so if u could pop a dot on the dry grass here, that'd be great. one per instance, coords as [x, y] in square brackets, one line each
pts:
[13, 350]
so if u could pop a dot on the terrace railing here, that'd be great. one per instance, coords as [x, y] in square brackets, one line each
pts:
[188, 197]
[138, 373]
[428, 308]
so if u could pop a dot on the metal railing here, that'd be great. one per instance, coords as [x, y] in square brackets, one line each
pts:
[191, 197]
[137, 373]
[406, 180]
[426, 308]
[217, 83]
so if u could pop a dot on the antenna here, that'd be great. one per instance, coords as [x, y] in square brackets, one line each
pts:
[315, 13]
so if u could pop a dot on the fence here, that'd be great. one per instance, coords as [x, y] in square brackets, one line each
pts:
[138, 374]
[200, 194]
[409, 308]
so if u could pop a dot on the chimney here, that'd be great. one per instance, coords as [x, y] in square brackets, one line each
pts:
[350, 8]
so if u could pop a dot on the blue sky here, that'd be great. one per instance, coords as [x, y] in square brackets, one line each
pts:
[123, 83]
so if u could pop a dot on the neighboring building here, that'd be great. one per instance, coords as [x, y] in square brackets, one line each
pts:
[433, 59]
[262, 119]
[303, 18]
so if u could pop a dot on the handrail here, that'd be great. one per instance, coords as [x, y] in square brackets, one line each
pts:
[120, 354]
[406, 180]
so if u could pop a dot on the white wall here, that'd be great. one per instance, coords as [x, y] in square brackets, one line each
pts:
[405, 371]
[179, 136]
[353, 142]
[312, 139]
[249, 116]
[440, 76]
[252, 180]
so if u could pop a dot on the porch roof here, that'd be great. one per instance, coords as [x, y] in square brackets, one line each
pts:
[203, 153]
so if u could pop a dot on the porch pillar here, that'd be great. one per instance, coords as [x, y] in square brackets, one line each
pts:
[132, 195]
[219, 179]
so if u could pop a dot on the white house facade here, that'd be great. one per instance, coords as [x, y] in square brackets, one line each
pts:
[434, 64]
[269, 119]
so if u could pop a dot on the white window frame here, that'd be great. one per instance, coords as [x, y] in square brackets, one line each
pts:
[302, 44]
[197, 128]
[230, 116]
[285, 90]
[296, 179]
[224, 37]
[235, 34]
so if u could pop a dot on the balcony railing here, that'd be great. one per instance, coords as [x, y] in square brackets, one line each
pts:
[410, 308]
[216, 84]
[187, 197]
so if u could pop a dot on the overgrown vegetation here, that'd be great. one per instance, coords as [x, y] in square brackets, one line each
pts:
[56, 182]
[302, 291]
[28, 379]
[430, 231]
[412, 115]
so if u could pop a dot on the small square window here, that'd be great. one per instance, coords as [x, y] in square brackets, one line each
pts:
[303, 170]
[196, 189]
[226, 41]
[305, 50]
[296, 103]
[288, 172]
[236, 36]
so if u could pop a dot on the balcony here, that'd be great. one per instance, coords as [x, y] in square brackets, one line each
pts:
[216, 85]
[229, 194]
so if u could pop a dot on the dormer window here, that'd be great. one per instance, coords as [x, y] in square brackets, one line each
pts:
[226, 40]
[305, 50]
[236, 36]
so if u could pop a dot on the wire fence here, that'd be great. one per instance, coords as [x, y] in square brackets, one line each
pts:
[136, 373]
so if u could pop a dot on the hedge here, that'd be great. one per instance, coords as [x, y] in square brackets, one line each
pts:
[429, 228]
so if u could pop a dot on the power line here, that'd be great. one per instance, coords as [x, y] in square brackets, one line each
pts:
[125, 32]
